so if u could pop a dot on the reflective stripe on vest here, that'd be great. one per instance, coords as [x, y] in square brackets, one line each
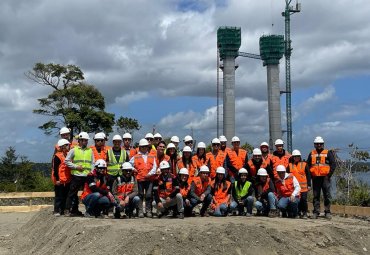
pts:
[82, 157]
[299, 172]
[319, 164]
[242, 192]
[114, 167]
[125, 188]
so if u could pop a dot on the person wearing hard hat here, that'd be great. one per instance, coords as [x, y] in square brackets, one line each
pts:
[288, 190]
[150, 138]
[99, 149]
[176, 140]
[125, 189]
[116, 156]
[221, 193]
[256, 163]
[223, 144]
[96, 196]
[300, 170]
[321, 163]
[265, 195]
[61, 177]
[186, 161]
[145, 166]
[243, 194]
[200, 191]
[171, 153]
[199, 158]
[80, 160]
[160, 155]
[184, 185]
[215, 158]
[127, 139]
[157, 138]
[236, 158]
[279, 157]
[188, 141]
[65, 133]
[266, 155]
[167, 192]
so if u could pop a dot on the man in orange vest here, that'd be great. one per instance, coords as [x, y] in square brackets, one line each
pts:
[223, 142]
[127, 139]
[288, 190]
[100, 151]
[215, 158]
[256, 163]
[157, 139]
[279, 157]
[321, 163]
[300, 170]
[235, 159]
[200, 191]
[65, 133]
[266, 156]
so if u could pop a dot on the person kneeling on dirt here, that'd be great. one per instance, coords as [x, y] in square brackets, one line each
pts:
[200, 190]
[96, 196]
[242, 193]
[265, 195]
[221, 190]
[167, 192]
[288, 190]
[183, 180]
[126, 190]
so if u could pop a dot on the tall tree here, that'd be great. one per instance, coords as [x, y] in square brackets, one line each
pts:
[127, 125]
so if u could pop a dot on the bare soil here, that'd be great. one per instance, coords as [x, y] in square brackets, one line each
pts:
[45, 234]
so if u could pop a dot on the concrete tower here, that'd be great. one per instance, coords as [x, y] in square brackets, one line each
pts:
[228, 43]
[271, 51]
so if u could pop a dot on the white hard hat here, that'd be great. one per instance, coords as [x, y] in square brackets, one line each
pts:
[257, 151]
[127, 136]
[164, 165]
[64, 130]
[222, 138]
[279, 142]
[318, 139]
[220, 170]
[62, 142]
[188, 138]
[201, 145]
[100, 163]
[99, 136]
[204, 168]
[280, 168]
[235, 139]
[117, 137]
[184, 171]
[242, 171]
[83, 135]
[216, 140]
[171, 145]
[157, 135]
[175, 139]
[143, 142]
[187, 149]
[262, 172]
[149, 135]
[126, 166]
[296, 153]
[264, 144]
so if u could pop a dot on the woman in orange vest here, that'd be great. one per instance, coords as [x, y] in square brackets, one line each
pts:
[301, 171]
[160, 155]
[221, 191]
[235, 159]
[199, 158]
[265, 195]
[61, 177]
[183, 180]
[172, 154]
[288, 190]
[256, 163]
[200, 191]
[186, 161]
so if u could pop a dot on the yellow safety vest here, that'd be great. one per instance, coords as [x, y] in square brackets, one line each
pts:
[82, 157]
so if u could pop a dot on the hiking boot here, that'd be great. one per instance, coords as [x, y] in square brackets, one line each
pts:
[117, 215]
[76, 214]
[204, 214]
[328, 216]
[180, 215]
[273, 213]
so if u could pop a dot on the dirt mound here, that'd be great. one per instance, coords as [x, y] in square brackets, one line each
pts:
[46, 234]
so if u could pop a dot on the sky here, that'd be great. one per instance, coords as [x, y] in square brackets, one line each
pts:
[155, 61]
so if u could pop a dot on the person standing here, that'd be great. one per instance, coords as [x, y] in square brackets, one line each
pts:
[279, 157]
[127, 139]
[254, 164]
[235, 159]
[99, 149]
[321, 163]
[215, 158]
[199, 158]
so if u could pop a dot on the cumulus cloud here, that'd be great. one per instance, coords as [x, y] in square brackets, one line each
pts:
[318, 99]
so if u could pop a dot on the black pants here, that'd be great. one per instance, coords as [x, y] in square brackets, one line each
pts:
[77, 183]
[61, 193]
[147, 188]
[321, 183]
[302, 206]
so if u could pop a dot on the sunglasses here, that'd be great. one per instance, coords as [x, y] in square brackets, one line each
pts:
[149, 139]
[215, 144]
[99, 140]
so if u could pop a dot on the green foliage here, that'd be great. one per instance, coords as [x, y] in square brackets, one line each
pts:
[127, 125]
[249, 148]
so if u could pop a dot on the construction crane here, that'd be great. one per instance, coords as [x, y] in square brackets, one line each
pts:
[289, 10]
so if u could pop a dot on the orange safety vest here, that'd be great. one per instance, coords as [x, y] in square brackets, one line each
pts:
[267, 159]
[253, 169]
[220, 195]
[284, 160]
[166, 188]
[191, 167]
[200, 187]
[131, 152]
[198, 162]
[125, 188]
[298, 170]
[184, 190]
[71, 146]
[319, 163]
[142, 167]
[215, 161]
[285, 189]
[102, 155]
[63, 171]
[88, 191]
[165, 158]
[237, 160]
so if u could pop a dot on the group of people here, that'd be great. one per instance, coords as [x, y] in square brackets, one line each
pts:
[130, 182]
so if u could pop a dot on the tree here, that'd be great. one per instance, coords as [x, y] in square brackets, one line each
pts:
[8, 166]
[247, 147]
[127, 125]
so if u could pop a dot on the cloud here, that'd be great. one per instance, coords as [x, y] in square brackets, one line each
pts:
[318, 99]
[131, 97]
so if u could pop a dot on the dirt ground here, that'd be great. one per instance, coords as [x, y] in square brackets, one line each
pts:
[42, 233]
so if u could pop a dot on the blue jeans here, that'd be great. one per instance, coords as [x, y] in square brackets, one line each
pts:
[221, 210]
[132, 205]
[95, 203]
[248, 203]
[287, 206]
[206, 202]
[265, 206]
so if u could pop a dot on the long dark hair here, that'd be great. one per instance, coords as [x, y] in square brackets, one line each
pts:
[203, 156]
[239, 182]
[220, 182]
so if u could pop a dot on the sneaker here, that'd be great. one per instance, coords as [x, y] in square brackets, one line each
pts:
[273, 213]
[56, 214]
[328, 216]
[149, 214]
[180, 215]
[248, 215]
[314, 216]
[88, 215]
[304, 216]
[141, 214]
